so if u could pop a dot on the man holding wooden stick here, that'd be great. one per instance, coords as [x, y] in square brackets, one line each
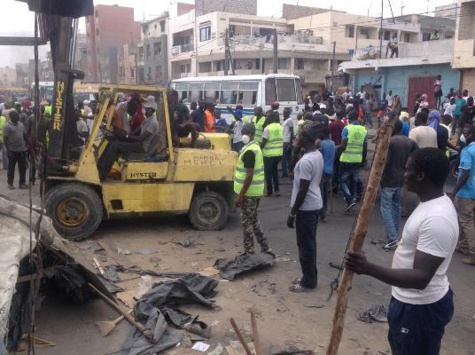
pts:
[422, 303]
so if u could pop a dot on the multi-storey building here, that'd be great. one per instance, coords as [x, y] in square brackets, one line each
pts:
[107, 30]
[305, 45]
[152, 52]
[464, 47]
[425, 51]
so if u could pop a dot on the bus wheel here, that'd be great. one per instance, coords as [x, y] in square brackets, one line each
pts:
[209, 211]
[75, 210]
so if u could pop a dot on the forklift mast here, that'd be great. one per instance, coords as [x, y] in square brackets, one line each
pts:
[58, 24]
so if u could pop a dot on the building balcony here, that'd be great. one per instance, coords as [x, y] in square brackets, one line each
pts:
[440, 49]
[184, 48]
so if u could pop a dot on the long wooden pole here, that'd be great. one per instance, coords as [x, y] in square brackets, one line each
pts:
[359, 233]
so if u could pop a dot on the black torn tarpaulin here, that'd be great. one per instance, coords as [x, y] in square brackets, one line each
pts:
[157, 309]
[229, 269]
[164, 337]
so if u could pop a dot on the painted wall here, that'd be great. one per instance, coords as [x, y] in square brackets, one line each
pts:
[397, 78]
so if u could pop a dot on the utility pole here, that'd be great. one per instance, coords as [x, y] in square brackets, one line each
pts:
[275, 59]
[226, 51]
[332, 69]
[381, 32]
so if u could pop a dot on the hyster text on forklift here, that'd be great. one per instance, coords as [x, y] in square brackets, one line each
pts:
[181, 180]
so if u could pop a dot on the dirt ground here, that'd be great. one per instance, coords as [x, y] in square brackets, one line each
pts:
[286, 321]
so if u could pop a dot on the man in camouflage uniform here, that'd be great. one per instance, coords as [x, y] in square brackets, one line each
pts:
[249, 187]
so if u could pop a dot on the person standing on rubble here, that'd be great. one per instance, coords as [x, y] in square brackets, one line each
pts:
[249, 187]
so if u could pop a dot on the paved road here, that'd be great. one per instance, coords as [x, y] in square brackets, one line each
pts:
[286, 320]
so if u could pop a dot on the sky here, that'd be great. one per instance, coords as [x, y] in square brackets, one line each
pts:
[18, 21]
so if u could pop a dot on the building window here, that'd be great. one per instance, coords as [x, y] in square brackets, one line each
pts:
[155, 26]
[162, 26]
[132, 72]
[147, 50]
[407, 37]
[158, 71]
[426, 36]
[350, 31]
[298, 64]
[387, 35]
[364, 31]
[157, 48]
[283, 63]
[205, 33]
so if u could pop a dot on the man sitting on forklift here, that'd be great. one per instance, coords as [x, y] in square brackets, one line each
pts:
[182, 124]
[146, 142]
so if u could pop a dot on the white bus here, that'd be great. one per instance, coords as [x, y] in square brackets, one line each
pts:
[248, 90]
[46, 91]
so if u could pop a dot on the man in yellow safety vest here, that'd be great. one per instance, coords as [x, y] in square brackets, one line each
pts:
[354, 149]
[272, 149]
[259, 120]
[249, 187]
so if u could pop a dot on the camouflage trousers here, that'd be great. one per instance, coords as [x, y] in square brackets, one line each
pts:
[251, 226]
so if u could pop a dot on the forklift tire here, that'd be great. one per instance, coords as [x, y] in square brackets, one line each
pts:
[209, 211]
[75, 210]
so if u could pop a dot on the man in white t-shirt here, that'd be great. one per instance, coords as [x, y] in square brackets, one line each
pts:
[288, 130]
[305, 204]
[449, 107]
[422, 301]
[423, 135]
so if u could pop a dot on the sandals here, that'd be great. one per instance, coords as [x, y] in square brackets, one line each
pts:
[296, 281]
[298, 288]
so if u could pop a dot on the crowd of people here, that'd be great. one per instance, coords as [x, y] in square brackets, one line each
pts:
[330, 140]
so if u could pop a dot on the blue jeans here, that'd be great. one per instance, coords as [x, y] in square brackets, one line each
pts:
[306, 230]
[391, 211]
[349, 175]
[325, 189]
[286, 158]
[418, 329]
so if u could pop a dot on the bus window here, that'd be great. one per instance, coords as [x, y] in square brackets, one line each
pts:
[182, 89]
[271, 94]
[196, 92]
[212, 92]
[286, 90]
[298, 89]
[49, 93]
[229, 93]
[248, 92]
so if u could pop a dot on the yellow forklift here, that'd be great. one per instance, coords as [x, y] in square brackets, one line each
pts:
[184, 180]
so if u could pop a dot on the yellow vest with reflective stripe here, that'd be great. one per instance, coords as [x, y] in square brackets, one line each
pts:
[275, 143]
[259, 128]
[3, 122]
[48, 109]
[354, 147]
[447, 151]
[256, 189]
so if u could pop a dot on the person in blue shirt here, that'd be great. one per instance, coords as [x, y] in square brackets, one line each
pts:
[404, 117]
[328, 150]
[464, 190]
[459, 103]
[221, 125]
